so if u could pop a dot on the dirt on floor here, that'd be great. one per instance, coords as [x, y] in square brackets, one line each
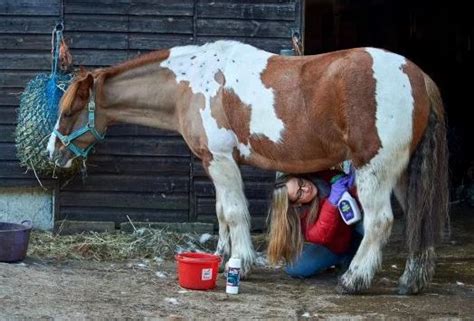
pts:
[136, 290]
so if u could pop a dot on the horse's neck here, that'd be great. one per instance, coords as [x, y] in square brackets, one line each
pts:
[144, 95]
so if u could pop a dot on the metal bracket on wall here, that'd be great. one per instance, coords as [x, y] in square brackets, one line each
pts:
[296, 42]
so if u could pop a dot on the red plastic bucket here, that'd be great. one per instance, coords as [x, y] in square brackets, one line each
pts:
[197, 271]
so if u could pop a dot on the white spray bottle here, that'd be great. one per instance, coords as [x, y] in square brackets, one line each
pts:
[233, 275]
[349, 209]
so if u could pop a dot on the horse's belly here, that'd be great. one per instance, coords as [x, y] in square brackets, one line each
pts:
[291, 158]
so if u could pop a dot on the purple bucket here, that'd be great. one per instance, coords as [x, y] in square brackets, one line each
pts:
[14, 240]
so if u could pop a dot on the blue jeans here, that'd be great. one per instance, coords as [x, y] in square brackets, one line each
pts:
[316, 258]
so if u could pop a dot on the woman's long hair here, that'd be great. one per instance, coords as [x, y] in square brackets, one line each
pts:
[285, 234]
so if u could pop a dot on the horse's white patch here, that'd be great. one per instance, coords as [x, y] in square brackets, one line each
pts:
[241, 66]
[52, 141]
[394, 99]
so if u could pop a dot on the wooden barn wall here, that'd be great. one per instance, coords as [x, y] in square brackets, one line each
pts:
[147, 174]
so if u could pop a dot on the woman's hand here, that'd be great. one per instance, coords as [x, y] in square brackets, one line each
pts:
[341, 185]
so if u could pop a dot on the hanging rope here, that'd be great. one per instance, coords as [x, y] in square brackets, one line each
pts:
[56, 38]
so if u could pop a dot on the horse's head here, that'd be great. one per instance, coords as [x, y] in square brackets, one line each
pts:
[79, 125]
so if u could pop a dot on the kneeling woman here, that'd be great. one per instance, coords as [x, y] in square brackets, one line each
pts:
[306, 229]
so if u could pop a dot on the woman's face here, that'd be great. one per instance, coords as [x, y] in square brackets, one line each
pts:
[300, 190]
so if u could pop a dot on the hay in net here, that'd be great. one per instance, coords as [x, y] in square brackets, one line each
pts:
[37, 116]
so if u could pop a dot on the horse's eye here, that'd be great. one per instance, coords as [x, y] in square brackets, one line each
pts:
[67, 114]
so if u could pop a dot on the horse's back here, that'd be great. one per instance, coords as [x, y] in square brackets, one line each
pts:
[329, 107]
[304, 113]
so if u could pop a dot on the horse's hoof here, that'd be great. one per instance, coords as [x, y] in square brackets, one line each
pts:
[402, 290]
[408, 284]
[354, 287]
[341, 288]
[407, 290]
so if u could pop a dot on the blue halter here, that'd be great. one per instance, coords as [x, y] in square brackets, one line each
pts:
[67, 140]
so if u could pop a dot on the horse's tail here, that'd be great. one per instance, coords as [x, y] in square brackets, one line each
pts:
[427, 197]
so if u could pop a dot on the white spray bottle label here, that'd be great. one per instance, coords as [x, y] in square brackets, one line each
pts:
[349, 209]
[233, 276]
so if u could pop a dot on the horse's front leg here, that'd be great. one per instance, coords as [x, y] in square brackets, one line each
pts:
[223, 244]
[374, 195]
[235, 215]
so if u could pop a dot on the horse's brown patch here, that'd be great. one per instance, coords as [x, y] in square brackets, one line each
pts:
[235, 109]
[190, 122]
[421, 102]
[312, 100]
[219, 78]
[232, 114]
[299, 109]
[361, 107]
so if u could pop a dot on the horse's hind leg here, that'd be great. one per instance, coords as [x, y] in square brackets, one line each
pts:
[233, 209]
[427, 205]
[419, 267]
[375, 182]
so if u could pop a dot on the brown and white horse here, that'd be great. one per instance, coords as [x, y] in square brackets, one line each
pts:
[235, 104]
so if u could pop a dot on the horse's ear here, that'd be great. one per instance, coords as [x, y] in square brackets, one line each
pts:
[84, 86]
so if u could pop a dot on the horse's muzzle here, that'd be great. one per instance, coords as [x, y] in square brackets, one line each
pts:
[62, 158]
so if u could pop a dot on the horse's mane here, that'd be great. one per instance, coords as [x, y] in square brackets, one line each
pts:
[141, 60]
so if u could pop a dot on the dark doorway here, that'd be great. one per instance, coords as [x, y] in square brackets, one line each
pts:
[437, 36]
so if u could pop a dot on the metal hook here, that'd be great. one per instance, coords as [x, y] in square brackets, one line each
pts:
[59, 26]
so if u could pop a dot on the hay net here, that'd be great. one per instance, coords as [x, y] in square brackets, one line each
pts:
[37, 115]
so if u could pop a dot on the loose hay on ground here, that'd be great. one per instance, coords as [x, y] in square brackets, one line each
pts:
[143, 243]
